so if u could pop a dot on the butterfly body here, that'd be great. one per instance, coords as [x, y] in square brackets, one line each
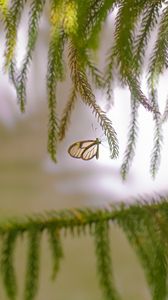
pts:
[85, 150]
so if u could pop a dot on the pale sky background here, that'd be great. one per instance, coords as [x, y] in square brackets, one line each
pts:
[99, 181]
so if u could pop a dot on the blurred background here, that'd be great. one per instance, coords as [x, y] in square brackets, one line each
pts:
[30, 182]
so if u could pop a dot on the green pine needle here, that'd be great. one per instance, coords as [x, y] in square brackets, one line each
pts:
[36, 9]
[12, 21]
[137, 93]
[146, 232]
[7, 264]
[55, 72]
[3, 10]
[164, 117]
[148, 23]
[33, 263]
[95, 73]
[158, 60]
[98, 11]
[131, 144]
[104, 264]
[109, 72]
[65, 120]
[56, 249]
[124, 28]
[158, 137]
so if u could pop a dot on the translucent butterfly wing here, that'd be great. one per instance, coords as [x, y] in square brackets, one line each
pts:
[75, 150]
[90, 152]
[85, 150]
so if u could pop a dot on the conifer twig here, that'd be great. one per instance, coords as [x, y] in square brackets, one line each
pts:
[56, 248]
[36, 9]
[54, 73]
[64, 122]
[158, 60]
[164, 117]
[33, 263]
[104, 264]
[12, 21]
[7, 264]
[131, 144]
[158, 138]
[148, 23]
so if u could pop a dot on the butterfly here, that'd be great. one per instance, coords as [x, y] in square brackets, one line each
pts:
[85, 150]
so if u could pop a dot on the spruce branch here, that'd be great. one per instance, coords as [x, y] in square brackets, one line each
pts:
[158, 235]
[12, 21]
[158, 60]
[124, 33]
[82, 12]
[142, 232]
[54, 73]
[70, 20]
[3, 9]
[130, 79]
[161, 220]
[81, 217]
[6, 264]
[64, 15]
[137, 238]
[13, 73]
[132, 136]
[144, 223]
[33, 263]
[164, 117]
[56, 248]
[97, 13]
[91, 15]
[109, 72]
[96, 74]
[122, 50]
[53, 130]
[104, 264]
[93, 11]
[83, 87]
[64, 122]
[86, 20]
[36, 10]
[137, 93]
[158, 138]
[149, 20]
